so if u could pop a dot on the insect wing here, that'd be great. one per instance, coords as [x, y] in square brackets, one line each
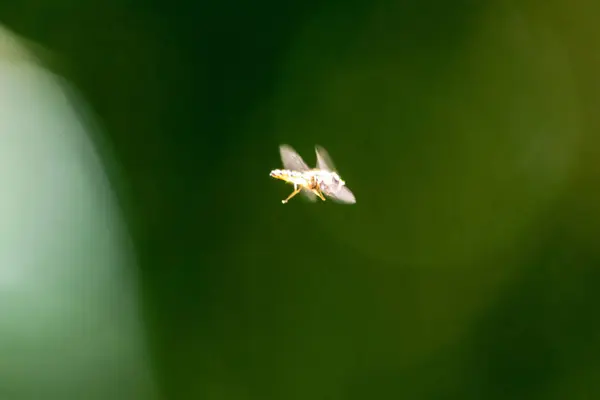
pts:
[292, 160]
[324, 161]
[309, 195]
[339, 193]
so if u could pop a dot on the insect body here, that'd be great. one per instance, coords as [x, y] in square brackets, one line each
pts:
[317, 182]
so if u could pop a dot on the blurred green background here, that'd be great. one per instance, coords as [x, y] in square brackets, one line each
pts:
[468, 131]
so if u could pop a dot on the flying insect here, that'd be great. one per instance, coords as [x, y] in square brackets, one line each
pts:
[322, 181]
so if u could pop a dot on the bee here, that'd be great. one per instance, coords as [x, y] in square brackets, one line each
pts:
[312, 183]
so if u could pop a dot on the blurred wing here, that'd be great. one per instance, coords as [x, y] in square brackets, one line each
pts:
[292, 160]
[309, 195]
[324, 162]
[341, 194]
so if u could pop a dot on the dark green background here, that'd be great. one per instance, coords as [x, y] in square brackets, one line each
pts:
[468, 131]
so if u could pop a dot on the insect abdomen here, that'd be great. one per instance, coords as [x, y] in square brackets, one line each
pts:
[289, 176]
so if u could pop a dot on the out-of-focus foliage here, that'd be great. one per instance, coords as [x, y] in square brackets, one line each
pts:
[70, 325]
[468, 132]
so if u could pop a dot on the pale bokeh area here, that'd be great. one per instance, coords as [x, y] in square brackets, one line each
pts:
[70, 323]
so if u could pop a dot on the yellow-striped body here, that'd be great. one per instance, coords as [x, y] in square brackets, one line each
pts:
[307, 180]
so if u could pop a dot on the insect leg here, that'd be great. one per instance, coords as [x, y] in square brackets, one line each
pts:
[295, 192]
[318, 193]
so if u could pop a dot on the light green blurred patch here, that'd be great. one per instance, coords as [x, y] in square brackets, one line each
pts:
[69, 316]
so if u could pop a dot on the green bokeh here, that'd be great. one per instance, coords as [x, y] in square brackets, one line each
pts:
[468, 133]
